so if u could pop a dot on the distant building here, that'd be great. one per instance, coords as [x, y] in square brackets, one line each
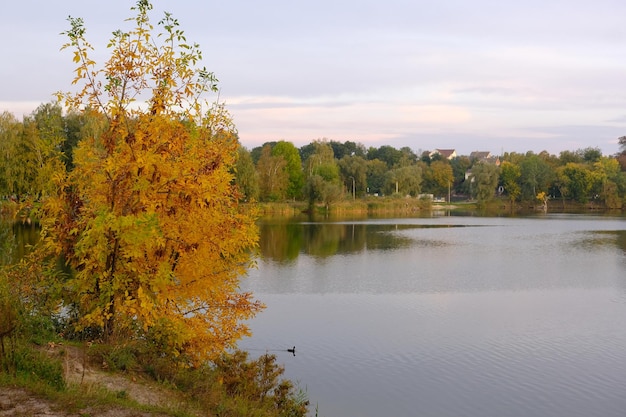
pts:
[445, 153]
[484, 156]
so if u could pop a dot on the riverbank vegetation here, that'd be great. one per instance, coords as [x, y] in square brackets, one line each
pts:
[329, 173]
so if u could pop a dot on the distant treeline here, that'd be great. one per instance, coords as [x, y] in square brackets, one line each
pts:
[327, 171]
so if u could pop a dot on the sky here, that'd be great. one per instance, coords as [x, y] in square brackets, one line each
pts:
[480, 75]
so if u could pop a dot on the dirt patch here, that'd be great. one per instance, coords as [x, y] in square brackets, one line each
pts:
[78, 371]
[17, 402]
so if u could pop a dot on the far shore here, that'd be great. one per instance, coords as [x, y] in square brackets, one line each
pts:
[392, 206]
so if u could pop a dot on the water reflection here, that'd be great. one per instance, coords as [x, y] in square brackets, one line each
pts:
[450, 316]
[604, 238]
[26, 236]
[440, 255]
[16, 240]
[618, 238]
[283, 241]
[7, 242]
[280, 241]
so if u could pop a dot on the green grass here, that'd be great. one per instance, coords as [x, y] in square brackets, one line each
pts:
[234, 385]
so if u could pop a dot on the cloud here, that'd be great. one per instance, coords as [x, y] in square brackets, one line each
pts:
[620, 119]
[423, 74]
[20, 108]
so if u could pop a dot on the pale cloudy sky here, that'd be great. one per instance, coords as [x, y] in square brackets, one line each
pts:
[488, 75]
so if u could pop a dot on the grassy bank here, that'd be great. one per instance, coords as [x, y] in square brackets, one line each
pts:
[406, 207]
[46, 365]
[100, 380]
[367, 207]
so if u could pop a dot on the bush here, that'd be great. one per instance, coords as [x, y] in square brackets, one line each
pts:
[233, 385]
[8, 326]
[114, 357]
[259, 381]
[37, 367]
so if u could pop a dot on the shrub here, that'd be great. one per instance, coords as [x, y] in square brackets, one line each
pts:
[37, 367]
[114, 357]
[8, 325]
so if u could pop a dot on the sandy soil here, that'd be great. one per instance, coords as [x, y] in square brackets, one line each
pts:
[17, 402]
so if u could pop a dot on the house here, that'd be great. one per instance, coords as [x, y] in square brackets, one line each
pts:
[445, 153]
[484, 156]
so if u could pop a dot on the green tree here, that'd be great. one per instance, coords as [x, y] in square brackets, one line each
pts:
[484, 180]
[404, 181]
[293, 167]
[13, 173]
[44, 134]
[273, 179]
[388, 154]
[622, 144]
[514, 157]
[510, 175]
[536, 175]
[255, 153]
[438, 176]
[376, 170]
[149, 218]
[566, 157]
[246, 176]
[609, 182]
[353, 170]
[577, 181]
[590, 155]
[460, 165]
[78, 125]
[322, 175]
[408, 157]
[348, 148]
[307, 150]
[30, 153]
[322, 158]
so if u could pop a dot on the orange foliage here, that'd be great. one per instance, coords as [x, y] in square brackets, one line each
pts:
[149, 218]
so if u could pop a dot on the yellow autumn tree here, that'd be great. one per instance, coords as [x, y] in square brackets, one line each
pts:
[149, 218]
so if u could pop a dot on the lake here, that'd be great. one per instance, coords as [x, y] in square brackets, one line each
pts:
[447, 315]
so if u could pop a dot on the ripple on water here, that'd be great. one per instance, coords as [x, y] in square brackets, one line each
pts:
[515, 377]
[568, 362]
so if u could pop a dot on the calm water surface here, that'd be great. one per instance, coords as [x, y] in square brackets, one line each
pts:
[448, 316]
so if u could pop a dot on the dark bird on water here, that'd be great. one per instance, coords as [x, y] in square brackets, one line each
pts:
[292, 350]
